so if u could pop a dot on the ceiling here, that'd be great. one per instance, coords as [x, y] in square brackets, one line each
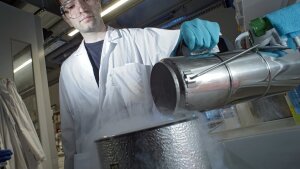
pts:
[141, 13]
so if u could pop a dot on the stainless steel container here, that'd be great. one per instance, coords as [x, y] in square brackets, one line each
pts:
[253, 75]
[175, 144]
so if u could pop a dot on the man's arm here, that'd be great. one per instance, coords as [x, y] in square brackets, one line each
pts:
[67, 126]
[156, 44]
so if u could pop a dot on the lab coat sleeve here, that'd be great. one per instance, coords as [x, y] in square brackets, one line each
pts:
[67, 125]
[156, 44]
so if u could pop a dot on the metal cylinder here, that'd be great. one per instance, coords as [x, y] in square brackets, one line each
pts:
[175, 144]
[253, 75]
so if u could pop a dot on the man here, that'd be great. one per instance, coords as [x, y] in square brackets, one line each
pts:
[107, 78]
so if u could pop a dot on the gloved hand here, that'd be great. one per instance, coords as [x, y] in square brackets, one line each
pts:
[5, 155]
[200, 34]
[290, 42]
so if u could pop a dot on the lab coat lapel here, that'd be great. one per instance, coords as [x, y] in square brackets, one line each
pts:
[85, 74]
[111, 40]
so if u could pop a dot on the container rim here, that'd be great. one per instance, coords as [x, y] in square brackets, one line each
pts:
[180, 118]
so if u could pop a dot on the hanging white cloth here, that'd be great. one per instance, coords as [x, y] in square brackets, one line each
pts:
[17, 131]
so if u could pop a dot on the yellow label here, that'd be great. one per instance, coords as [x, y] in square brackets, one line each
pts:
[295, 115]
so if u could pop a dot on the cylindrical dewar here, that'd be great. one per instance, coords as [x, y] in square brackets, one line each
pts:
[176, 144]
[253, 75]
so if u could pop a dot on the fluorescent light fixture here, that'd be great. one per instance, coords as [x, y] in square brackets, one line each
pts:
[113, 7]
[73, 32]
[22, 66]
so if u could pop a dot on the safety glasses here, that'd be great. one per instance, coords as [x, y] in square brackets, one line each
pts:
[71, 8]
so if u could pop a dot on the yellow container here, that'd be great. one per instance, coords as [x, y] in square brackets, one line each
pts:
[295, 115]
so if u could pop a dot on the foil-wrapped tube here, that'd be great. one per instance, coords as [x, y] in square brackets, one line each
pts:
[251, 76]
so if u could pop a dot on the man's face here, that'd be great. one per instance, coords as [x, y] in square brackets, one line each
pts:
[84, 15]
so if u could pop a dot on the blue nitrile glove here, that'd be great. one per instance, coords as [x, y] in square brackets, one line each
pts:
[199, 34]
[5, 155]
[287, 22]
[290, 41]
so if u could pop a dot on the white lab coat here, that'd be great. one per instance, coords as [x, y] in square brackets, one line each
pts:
[128, 56]
[17, 131]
